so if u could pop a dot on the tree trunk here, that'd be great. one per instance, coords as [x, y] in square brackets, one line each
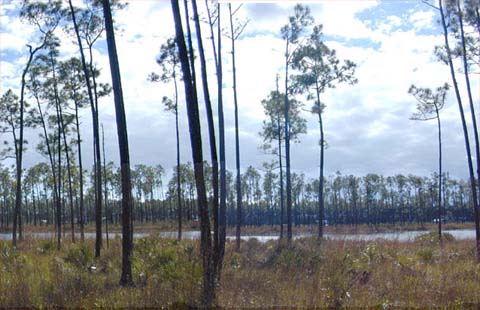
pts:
[469, 92]
[465, 134]
[287, 151]
[127, 229]
[105, 192]
[56, 191]
[322, 156]
[282, 207]
[237, 139]
[98, 179]
[211, 128]
[59, 155]
[80, 174]
[223, 169]
[19, 145]
[179, 188]
[196, 144]
[69, 172]
[439, 175]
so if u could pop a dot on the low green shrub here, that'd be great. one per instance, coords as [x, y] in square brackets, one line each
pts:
[426, 254]
[431, 238]
[79, 255]
[46, 246]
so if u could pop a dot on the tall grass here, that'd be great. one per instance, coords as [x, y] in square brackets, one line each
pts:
[309, 273]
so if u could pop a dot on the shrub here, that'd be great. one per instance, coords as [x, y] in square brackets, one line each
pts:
[431, 238]
[79, 255]
[46, 246]
[426, 254]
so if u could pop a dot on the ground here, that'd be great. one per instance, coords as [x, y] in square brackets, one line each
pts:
[307, 273]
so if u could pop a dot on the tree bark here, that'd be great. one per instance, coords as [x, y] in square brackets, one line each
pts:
[439, 175]
[465, 133]
[322, 156]
[287, 150]
[19, 154]
[98, 179]
[196, 144]
[122, 133]
[105, 192]
[469, 92]
[80, 174]
[179, 187]
[223, 169]
[237, 138]
[211, 131]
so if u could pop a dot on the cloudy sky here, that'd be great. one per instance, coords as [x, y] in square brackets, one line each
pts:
[367, 125]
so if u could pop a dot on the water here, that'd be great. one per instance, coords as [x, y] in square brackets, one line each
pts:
[460, 234]
[51, 235]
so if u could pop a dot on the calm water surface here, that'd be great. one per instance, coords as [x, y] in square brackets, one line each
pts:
[460, 234]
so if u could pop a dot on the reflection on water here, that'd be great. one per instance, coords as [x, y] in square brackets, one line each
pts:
[460, 234]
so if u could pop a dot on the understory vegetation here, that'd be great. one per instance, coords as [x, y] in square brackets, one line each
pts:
[308, 273]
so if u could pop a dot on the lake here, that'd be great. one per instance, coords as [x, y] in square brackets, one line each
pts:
[460, 234]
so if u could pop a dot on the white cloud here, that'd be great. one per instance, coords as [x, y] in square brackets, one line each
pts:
[422, 19]
[367, 125]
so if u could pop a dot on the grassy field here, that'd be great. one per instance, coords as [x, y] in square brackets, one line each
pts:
[305, 274]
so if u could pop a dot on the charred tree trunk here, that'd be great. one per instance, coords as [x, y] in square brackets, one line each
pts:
[196, 143]
[469, 92]
[222, 229]
[80, 176]
[19, 144]
[237, 139]
[98, 179]
[465, 133]
[287, 150]
[127, 229]
[439, 175]
[321, 201]
[211, 128]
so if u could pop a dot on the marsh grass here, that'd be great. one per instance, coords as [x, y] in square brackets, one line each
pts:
[308, 273]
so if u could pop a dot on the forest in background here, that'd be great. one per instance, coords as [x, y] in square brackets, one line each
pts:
[53, 90]
[372, 199]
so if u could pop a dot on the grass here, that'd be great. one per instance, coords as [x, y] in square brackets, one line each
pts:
[305, 274]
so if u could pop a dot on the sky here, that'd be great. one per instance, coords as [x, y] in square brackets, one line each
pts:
[367, 125]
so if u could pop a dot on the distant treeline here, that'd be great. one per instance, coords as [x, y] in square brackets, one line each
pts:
[370, 199]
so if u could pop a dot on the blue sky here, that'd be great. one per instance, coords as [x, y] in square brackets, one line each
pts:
[367, 125]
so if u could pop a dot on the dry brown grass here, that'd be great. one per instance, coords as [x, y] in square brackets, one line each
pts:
[306, 274]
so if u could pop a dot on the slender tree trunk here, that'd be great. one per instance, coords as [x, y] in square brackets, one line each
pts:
[287, 150]
[19, 155]
[223, 169]
[59, 154]
[282, 207]
[196, 144]
[211, 127]
[80, 174]
[439, 175]
[179, 187]
[34, 202]
[322, 156]
[105, 187]
[127, 229]
[465, 134]
[69, 172]
[62, 134]
[469, 92]
[98, 179]
[96, 145]
[56, 190]
[60, 208]
[237, 139]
